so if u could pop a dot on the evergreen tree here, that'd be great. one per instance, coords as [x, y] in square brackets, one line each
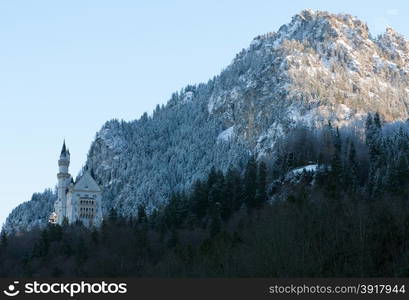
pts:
[65, 222]
[336, 170]
[217, 189]
[113, 215]
[261, 193]
[250, 182]
[142, 216]
[373, 131]
[400, 174]
[212, 178]
[369, 131]
[229, 193]
[290, 161]
[54, 232]
[377, 122]
[216, 223]
[234, 191]
[95, 237]
[337, 141]
[199, 199]
[352, 170]
[377, 188]
[3, 240]
[176, 210]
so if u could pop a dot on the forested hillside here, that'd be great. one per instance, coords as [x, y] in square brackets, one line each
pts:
[346, 214]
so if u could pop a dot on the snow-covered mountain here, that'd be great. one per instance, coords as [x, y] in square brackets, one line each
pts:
[320, 67]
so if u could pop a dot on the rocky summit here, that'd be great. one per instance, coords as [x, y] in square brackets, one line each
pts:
[320, 67]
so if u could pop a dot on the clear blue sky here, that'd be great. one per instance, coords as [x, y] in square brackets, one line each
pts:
[68, 66]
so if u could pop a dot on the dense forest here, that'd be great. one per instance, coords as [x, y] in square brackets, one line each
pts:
[345, 214]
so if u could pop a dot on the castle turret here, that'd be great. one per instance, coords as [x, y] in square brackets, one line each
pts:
[63, 182]
[64, 161]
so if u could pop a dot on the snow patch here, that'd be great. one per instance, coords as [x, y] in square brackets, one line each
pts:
[225, 135]
[345, 112]
[188, 97]
[307, 168]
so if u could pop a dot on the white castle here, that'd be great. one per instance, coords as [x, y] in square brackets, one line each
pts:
[79, 200]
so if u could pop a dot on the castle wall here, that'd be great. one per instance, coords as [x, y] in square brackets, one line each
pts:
[86, 207]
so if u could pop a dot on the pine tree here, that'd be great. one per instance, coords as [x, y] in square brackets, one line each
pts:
[216, 223]
[95, 237]
[217, 189]
[142, 216]
[337, 141]
[401, 173]
[377, 187]
[234, 189]
[403, 141]
[369, 132]
[290, 162]
[261, 194]
[113, 215]
[65, 222]
[250, 182]
[212, 177]
[3, 240]
[336, 172]
[199, 199]
[229, 193]
[373, 132]
[353, 168]
[176, 210]
[377, 121]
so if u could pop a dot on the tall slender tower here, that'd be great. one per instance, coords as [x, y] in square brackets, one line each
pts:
[63, 182]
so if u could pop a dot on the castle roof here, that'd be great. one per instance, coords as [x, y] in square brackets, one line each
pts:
[87, 183]
[64, 150]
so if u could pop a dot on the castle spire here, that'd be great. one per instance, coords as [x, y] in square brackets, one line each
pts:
[64, 149]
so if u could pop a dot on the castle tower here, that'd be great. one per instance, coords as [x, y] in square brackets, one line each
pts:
[63, 182]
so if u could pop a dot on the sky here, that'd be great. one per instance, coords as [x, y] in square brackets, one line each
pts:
[66, 67]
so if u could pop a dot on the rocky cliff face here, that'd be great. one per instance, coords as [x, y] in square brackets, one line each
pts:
[320, 67]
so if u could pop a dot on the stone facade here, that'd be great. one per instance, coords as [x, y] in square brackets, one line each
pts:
[79, 200]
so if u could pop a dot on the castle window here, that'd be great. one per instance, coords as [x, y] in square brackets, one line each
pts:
[87, 206]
